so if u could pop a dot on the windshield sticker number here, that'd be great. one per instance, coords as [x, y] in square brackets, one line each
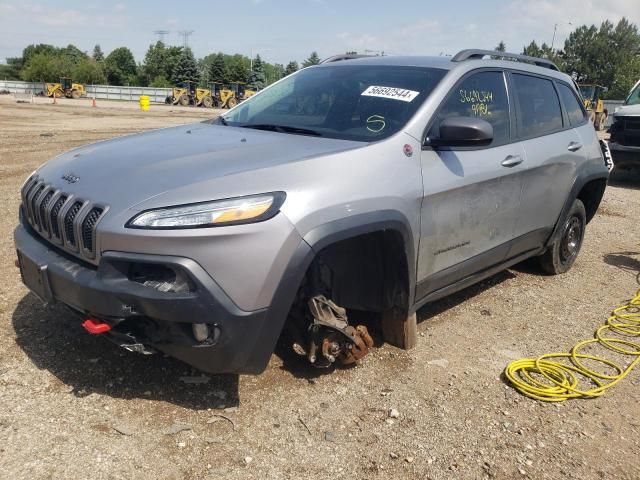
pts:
[479, 100]
[391, 92]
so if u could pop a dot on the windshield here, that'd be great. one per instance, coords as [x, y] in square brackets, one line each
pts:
[352, 102]
[634, 96]
[587, 91]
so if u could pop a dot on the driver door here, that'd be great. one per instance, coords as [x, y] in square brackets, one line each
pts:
[471, 194]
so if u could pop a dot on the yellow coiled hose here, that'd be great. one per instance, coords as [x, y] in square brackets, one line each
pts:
[544, 378]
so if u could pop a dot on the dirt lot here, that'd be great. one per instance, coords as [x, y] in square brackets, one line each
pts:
[74, 406]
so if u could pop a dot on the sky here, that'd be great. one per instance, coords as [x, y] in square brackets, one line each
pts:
[285, 30]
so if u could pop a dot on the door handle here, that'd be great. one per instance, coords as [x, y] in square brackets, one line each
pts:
[512, 161]
[574, 146]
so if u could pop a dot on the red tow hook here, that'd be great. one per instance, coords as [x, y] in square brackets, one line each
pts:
[95, 327]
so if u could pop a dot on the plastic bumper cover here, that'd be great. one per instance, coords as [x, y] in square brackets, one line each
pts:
[107, 292]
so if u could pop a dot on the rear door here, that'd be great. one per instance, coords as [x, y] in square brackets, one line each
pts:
[471, 195]
[552, 150]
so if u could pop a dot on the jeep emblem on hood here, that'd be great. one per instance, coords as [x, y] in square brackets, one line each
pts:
[70, 178]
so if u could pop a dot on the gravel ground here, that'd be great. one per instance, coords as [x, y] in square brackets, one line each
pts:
[74, 406]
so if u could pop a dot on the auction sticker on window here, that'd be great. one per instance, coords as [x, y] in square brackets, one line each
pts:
[391, 92]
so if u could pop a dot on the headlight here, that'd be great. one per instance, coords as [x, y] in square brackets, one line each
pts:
[232, 211]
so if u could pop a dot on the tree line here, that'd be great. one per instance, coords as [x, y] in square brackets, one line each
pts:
[608, 55]
[163, 66]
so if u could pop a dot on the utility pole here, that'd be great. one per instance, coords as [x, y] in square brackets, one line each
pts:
[161, 34]
[185, 34]
[555, 27]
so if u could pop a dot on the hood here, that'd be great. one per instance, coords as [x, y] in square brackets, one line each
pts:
[627, 110]
[126, 171]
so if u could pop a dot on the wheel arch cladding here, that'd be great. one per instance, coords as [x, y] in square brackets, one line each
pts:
[390, 223]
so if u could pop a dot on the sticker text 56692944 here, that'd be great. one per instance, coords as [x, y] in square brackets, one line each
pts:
[391, 92]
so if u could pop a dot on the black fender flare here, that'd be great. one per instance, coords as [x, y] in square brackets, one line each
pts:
[312, 243]
[593, 172]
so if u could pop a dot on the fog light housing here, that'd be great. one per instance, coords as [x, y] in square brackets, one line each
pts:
[200, 331]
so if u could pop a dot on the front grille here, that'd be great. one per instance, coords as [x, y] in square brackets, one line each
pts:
[42, 211]
[628, 131]
[69, 226]
[88, 228]
[57, 216]
[53, 218]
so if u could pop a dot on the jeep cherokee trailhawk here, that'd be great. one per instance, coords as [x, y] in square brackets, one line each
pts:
[362, 184]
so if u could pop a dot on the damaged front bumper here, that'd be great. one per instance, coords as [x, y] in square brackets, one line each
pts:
[149, 301]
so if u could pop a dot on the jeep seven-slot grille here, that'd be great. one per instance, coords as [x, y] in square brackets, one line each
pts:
[69, 225]
[55, 211]
[58, 216]
[88, 228]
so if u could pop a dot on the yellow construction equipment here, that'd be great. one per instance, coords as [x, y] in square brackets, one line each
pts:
[592, 97]
[228, 96]
[188, 94]
[66, 88]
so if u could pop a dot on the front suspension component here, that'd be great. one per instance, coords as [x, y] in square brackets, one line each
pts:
[330, 338]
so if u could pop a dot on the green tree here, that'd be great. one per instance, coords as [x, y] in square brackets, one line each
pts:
[32, 50]
[73, 53]
[274, 72]
[160, 82]
[97, 55]
[544, 51]
[11, 71]
[45, 67]
[501, 47]
[186, 68]
[120, 66]
[155, 62]
[89, 71]
[218, 71]
[238, 66]
[291, 67]
[313, 59]
[603, 55]
[257, 79]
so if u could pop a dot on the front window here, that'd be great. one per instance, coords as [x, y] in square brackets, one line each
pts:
[351, 102]
[634, 96]
[588, 92]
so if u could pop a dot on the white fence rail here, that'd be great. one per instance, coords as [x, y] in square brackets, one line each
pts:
[104, 92]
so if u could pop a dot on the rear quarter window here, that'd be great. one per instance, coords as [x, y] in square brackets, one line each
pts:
[539, 111]
[572, 105]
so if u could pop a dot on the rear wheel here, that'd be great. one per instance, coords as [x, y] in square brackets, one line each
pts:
[207, 102]
[184, 100]
[75, 94]
[600, 120]
[560, 255]
[232, 102]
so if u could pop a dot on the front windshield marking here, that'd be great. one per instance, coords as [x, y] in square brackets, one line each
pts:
[351, 102]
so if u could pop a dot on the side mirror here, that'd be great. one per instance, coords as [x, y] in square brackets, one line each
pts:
[463, 132]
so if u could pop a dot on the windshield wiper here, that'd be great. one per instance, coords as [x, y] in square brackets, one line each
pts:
[282, 129]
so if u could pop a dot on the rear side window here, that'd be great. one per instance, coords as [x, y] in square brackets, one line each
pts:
[540, 111]
[482, 95]
[572, 105]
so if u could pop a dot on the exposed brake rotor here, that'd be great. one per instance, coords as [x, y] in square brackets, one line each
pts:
[331, 338]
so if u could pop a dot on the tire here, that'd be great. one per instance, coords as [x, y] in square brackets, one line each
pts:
[562, 253]
[207, 102]
[184, 100]
[232, 102]
[75, 94]
[601, 119]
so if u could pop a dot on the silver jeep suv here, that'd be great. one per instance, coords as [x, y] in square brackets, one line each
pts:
[370, 184]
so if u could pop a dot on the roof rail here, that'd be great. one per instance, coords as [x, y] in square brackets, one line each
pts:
[473, 54]
[344, 56]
